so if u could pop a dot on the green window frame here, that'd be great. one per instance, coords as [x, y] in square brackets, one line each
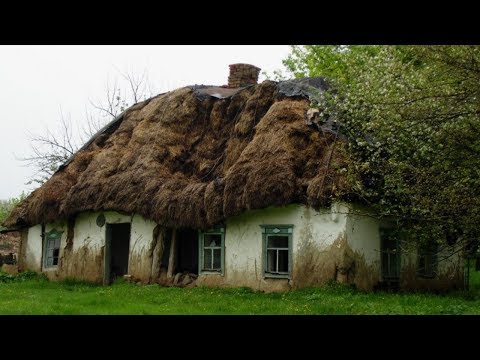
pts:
[390, 259]
[211, 245]
[51, 255]
[277, 250]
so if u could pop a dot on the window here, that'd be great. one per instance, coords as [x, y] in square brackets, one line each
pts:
[427, 260]
[277, 250]
[212, 250]
[390, 254]
[52, 248]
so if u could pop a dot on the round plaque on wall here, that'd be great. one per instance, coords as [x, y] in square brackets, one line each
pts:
[101, 220]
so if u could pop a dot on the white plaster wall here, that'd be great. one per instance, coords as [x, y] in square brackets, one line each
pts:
[142, 234]
[363, 236]
[141, 238]
[33, 248]
[449, 258]
[89, 234]
[243, 238]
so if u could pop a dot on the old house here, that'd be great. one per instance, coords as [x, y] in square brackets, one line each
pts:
[226, 185]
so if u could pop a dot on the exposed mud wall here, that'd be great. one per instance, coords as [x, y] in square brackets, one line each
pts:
[321, 250]
[22, 253]
[243, 247]
[9, 243]
[82, 256]
[85, 263]
[336, 262]
[83, 245]
[449, 274]
[363, 238]
[140, 260]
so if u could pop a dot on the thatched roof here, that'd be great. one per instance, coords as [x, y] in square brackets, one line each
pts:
[194, 156]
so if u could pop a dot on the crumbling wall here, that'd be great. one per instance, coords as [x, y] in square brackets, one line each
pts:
[338, 262]
[22, 253]
[140, 259]
[321, 250]
[314, 231]
[363, 238]
[9, 243]
[449, 274]
[82, 256]
[83, 263]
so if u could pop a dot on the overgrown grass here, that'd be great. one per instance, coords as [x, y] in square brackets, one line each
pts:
[33, 294]
[474, 277]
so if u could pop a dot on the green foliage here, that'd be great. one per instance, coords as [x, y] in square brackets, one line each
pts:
[6, 206]
[23, 276]
[5, 278]
[411, 115]
[328, 61]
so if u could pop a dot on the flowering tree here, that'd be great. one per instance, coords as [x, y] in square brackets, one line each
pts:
[411, 115]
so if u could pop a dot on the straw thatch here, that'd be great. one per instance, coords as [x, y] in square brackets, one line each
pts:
[187, 160]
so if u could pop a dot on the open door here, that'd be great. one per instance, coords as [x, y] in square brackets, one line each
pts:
[117, 246]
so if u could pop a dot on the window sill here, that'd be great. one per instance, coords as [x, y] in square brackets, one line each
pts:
[211, 273]
[276, 276]
[50, 268]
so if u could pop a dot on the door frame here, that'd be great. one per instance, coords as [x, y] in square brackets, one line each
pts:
[107, 257]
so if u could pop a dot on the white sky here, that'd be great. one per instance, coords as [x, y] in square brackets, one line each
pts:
[35, 81]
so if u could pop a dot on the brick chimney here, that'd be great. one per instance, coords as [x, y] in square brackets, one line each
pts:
[242, 75]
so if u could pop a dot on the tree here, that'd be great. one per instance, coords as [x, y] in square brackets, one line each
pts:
[6, 206]
[55, 147]
[411, 115]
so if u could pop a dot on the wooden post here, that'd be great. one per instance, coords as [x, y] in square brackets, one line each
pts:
[173, 254]
[157, 254]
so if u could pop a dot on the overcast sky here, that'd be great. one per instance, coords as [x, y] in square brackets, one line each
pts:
[37, 81]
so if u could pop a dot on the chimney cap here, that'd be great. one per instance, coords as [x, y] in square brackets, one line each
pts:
[243, 65]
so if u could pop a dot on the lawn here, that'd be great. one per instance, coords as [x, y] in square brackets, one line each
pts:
[30, 294]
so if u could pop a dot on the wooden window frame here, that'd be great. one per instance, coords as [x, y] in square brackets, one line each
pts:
[277, 230]
[217, 230]
[51, 235]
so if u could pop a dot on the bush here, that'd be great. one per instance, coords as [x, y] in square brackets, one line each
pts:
[23, 276]
[5, 278]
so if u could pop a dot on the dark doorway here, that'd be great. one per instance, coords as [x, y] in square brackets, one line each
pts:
[187, 260]
[116, 251]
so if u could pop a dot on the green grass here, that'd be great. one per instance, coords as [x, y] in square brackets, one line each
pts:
[30, 294]
[474, 277]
